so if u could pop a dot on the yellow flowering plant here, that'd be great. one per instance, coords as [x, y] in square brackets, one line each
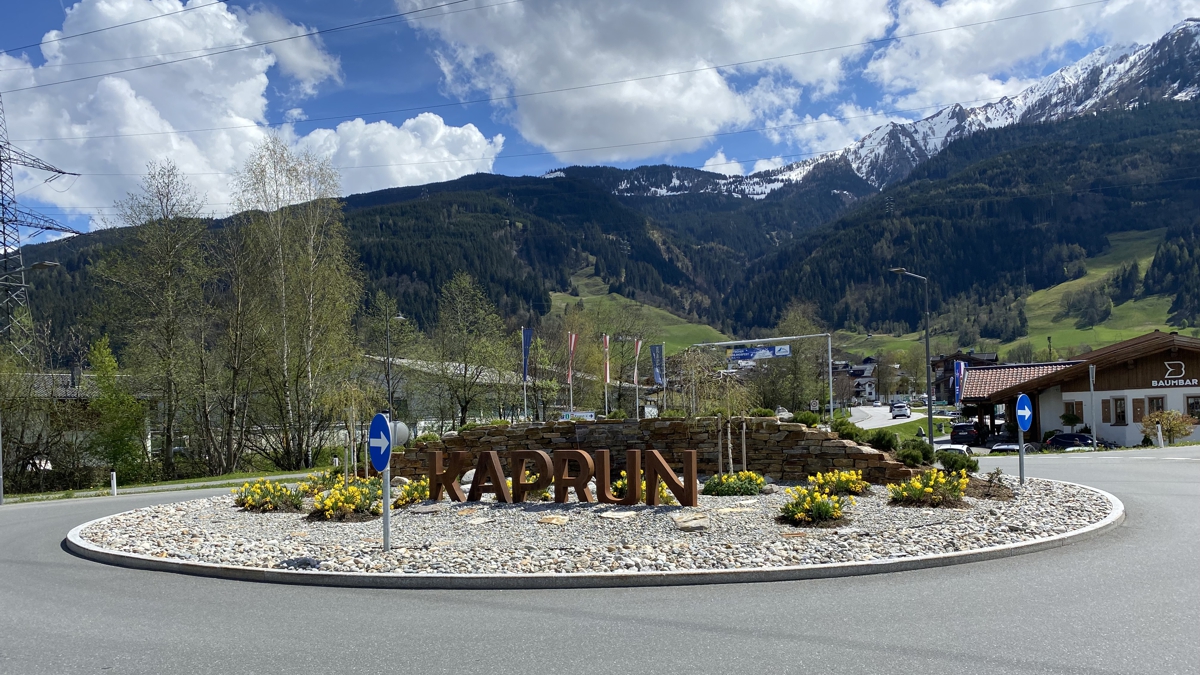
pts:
[315, 483]
[621, 485]
[814, 505]
[839, 482]
[730, 484]
[363, 496]
[412, 492]
[265, 495]
[931, 488]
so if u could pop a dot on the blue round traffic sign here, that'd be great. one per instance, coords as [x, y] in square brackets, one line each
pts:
[379, 439]
[1024, 412]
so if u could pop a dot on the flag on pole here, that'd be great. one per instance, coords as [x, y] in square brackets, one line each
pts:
[656, 361]
[607, 372]
[960, 374]
[571, 337]
[526, 341]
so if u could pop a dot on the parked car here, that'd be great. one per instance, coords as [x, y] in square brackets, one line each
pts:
[876, 404]
[956, 448]
[964, 433]
[1069, 441]
[900, 410]
[1011, 446]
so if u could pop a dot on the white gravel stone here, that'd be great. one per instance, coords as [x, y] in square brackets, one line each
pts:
[742, 533]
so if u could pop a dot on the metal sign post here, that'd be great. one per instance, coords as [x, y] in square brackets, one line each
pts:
[380, 440]
[1024, 421]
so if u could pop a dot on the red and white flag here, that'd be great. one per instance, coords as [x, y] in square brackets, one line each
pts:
[607, 377]
[571, 338]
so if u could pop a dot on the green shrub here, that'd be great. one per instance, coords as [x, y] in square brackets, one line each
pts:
[469, 426]
[813, 506]
[954, 462]
[926, 449]
[909, 456]
[428, 437]
[730, 484]
[846, 429]
[617, 415]
[717, 411]
[762, 412]
[498, 423]
[265, 495]
[807, 417]
[932, 488]
[673, 412]
[881, 439]
[839, 482]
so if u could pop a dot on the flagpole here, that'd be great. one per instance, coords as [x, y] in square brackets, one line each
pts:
[525, 372]
[606, 376]
[637, 386]
[664, 368]
[570, 370]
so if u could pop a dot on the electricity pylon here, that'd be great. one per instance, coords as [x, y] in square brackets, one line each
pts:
[15, 323]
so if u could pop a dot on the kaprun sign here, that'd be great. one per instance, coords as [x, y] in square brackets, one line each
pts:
[566, 470]
[1175, 376]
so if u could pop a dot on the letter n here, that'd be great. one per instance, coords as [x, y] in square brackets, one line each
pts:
[447, 479]
[656, 468]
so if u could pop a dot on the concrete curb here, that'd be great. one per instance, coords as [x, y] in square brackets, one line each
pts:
[85, 549]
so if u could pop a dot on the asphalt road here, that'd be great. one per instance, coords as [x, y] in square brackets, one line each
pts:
[1125, 602]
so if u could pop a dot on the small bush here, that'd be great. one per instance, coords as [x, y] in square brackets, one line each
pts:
[620, 486]
[498, 423]
[412, 493]
[265, 495]
[881, 439]
[673, 412]
[921, 446]
[807, 418]
[932, 488]
[813, 506]
[428, 437]
[730, 484]
[320, 482]
[617, 415]
[364, 496]
[847, 430]
[839, 482]
[717, 411]
[762, 412]
[469, 426]
[954, 462]
[911, 457]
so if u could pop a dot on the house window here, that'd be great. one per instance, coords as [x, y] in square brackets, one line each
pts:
[1106, 411]
[1155, 404]
[1193, 406]
[1139, 410]
[1119, 418]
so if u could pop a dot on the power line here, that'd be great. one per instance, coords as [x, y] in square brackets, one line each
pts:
[249, 46]
[101, 30]
[559, 90]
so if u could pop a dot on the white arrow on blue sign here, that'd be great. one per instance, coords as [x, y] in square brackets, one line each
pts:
[1024, 412]
[380, 440]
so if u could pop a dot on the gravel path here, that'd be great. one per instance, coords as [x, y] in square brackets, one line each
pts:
[485, 537]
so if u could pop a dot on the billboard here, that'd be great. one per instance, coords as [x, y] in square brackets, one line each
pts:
[755, 353]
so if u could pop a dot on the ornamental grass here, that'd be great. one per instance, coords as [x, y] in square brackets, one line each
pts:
[621, 485]
[932, 488]
[839, 482]
[811, 506]
[265, 495]
[362, 497]
[734, 484]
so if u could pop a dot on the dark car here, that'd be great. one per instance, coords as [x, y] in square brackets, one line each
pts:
[1068, 441]
[964, 434]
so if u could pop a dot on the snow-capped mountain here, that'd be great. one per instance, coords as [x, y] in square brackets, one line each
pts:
[1109, 77]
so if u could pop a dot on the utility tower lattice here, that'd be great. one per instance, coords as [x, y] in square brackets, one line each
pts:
[14, 295]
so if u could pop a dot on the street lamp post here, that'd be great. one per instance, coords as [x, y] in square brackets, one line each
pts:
[928, 366]
[43, 265]
[388, 340]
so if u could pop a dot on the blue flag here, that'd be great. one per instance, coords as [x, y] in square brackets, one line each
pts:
[526, 341]
[960, 374]
[656, 360]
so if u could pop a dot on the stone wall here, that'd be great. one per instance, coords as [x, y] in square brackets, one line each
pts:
[782, 450]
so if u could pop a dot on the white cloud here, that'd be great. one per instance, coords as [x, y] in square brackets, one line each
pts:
[719, 163]
[767, 164]
[826, 132]
[995, 59]
[562, 43]
[223, 91]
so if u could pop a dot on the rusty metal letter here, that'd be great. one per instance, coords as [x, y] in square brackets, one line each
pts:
[448, 479]
[488, 469]
[656, 468]
[580, 482]
[633, 476]
[541, 467]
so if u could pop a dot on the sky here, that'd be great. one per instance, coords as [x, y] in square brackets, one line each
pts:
[423, 91]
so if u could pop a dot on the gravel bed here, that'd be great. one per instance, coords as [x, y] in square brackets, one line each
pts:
[485, 537]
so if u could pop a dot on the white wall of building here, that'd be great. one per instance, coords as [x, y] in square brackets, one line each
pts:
[1125, 435]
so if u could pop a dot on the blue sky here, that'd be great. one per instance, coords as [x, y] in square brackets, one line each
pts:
[484, 48]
